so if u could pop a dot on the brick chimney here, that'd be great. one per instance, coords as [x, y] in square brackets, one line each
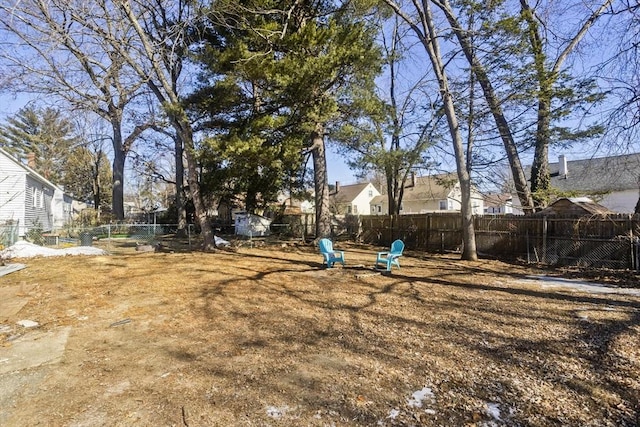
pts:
[562, 166]
[337, 186]
[31, 160]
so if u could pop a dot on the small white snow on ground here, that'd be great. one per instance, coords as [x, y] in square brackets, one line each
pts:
[418, 397]
[277, 412]
[493, 410]
[24, 249]
[393, 414]
[576, 285]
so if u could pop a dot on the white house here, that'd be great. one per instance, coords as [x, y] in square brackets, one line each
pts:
[30, 200]
[435, 193]
[498, 203]
[353, 199]
[609, 181]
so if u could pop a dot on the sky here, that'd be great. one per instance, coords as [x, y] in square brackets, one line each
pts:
[337, 169]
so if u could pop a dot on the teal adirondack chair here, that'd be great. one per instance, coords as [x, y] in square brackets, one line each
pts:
[330, 256]
[390, 258]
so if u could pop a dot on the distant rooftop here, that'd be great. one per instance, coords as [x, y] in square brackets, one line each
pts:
[605, 174]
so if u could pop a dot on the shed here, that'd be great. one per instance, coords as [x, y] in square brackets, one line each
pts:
[252, 225]
[575, 206]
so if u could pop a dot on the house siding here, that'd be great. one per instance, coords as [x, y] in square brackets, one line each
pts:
[18, 186]
[620, 201]
[38, 212]
[12, 191]
[361, 202]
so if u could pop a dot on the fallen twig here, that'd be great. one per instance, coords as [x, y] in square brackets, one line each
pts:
[184, 417]
[120, 322]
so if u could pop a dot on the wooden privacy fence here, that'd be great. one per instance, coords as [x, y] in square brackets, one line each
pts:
[610, 242]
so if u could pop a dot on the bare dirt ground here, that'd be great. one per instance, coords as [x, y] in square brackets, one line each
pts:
[267, 336]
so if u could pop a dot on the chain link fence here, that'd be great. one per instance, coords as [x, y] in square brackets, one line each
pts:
[8, 234]
[617, 253]
[110, 234]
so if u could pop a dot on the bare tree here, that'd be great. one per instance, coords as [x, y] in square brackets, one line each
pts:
[495, 105]
[156, 51]
[56, 53]
[425, 29]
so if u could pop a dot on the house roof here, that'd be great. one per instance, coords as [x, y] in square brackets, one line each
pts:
[434, 187]
[497, 199]
[575, 205]
[30, 171]
[346, 193]
[597, 175]
[378, 199]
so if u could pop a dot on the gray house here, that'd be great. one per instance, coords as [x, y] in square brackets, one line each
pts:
[28, 200]
[610, 181]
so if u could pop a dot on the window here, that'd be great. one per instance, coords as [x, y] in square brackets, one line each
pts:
[370, 193]
[355, 209]
[349, 209]
[443, 205]
[379, 208]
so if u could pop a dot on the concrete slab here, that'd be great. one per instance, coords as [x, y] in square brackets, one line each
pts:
[10, 268]
[13, 298]
[34, 349]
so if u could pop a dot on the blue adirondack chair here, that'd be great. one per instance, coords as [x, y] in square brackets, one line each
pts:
[390, 258]
[330, 256]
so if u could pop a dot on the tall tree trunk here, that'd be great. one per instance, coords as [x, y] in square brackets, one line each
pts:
[427, 35]
[180, 199]
[547, 77]
[119, 158]
[517, 171]
[430, 42]
[183, 128]
[95, 182]
[323, 215]
[540, 173]
[167, 94]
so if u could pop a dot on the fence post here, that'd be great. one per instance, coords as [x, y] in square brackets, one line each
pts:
[527, 240]
[544, 239]
[634, 261]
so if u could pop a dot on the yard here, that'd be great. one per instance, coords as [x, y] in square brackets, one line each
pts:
[259, 336]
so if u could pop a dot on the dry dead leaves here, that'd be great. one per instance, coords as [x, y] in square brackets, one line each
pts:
[268, 336]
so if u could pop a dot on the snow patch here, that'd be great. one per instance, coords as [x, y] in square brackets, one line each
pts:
[24, 249]
[277, 412]
[418, 397]
[493, 410]
[28, 323]
[576, 285]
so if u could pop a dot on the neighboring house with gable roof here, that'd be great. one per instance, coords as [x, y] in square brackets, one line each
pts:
[30, 200]
[353, 199]
[435, 193]
[610, 181]
[498, 203]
